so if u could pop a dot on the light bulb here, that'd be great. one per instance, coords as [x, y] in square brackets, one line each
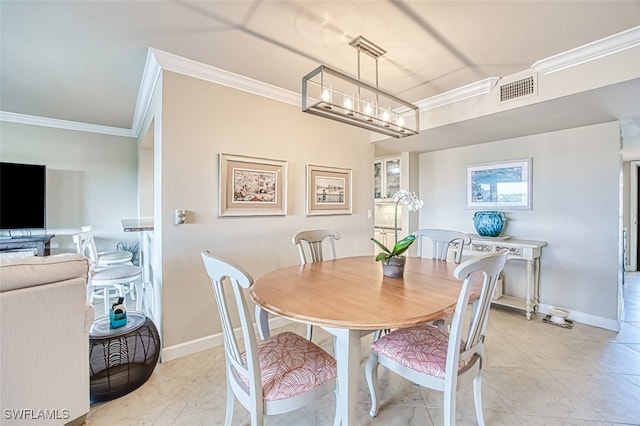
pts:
[368, 111]
[385, 117]
[348, 104]
[326, 96]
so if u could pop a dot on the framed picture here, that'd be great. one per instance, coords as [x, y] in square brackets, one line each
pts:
[252, 186]
[501, 185]
[328, 190]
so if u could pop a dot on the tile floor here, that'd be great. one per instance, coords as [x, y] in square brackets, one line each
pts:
[535, 374]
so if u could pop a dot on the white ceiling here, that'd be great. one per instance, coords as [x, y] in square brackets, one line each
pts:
[82, 61]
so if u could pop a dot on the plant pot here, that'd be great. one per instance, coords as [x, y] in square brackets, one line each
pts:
[489, 223]
[395, 267]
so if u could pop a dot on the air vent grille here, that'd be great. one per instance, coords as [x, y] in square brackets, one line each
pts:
[517, 89]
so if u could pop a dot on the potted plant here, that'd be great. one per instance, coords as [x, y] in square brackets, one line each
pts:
[392, 259]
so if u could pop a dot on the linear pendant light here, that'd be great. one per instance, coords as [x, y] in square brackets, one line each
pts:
[335, 95]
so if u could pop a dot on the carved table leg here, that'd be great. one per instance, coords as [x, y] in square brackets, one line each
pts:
[530, 286]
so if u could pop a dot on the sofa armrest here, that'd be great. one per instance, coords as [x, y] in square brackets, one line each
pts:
[89, 316]
[44, 343]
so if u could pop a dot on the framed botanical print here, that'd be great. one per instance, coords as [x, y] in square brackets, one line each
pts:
[252, 186]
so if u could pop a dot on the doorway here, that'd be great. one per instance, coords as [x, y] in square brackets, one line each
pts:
[633, 256]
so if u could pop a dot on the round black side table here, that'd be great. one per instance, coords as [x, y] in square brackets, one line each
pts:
[121, 359]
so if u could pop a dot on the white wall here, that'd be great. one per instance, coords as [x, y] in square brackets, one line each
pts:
[576, 198]
[200, 120]
[91, 179]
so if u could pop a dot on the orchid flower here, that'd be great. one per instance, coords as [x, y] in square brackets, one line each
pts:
[413, 203]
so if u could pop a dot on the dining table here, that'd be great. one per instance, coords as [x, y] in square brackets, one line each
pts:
[350, 298]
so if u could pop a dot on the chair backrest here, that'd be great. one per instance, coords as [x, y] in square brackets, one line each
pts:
[228, 281]
[86, 245]
[314, 240]
[483, 270]
[442, 239]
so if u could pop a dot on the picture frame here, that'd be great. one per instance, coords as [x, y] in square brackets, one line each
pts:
[329, 190]
[252, 186]
[505, 185]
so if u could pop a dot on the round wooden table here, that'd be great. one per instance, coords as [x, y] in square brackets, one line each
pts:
[349, 297]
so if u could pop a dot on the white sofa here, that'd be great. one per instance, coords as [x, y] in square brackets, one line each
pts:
[44, 340]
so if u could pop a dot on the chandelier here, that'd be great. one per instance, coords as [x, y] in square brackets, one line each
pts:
[335, 95]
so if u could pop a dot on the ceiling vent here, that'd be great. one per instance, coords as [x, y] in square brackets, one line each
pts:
[518, 86]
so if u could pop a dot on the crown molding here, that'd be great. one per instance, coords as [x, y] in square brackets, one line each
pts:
[179, 64]
[158, 60]
[13, 117]
[589, 52]
[150, 77]
[459, 94]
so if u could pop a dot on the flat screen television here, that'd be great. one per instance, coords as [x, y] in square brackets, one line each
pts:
[22, 196]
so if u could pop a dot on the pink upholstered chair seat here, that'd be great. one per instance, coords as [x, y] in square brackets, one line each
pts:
[291, 365]
[422, 348]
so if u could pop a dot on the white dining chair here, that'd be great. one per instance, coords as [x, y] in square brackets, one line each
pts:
[442, 240]
[311, 245]
[113, 257]
[311, 248]
[279, 374]
[441, 360]
[107, 281]
[108, 258]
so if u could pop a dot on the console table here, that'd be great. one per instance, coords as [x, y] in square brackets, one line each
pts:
[527, 250]
[38, 242]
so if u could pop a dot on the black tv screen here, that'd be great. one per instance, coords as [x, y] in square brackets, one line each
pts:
[22, 196]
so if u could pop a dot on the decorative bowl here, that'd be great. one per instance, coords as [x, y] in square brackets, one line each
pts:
[489, 223]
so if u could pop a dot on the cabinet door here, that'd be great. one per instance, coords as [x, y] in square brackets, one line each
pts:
[380, 236]
[377, 180]
[392, 176]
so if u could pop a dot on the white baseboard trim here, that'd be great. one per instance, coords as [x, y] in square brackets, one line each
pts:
[187, 348]
[584, 318]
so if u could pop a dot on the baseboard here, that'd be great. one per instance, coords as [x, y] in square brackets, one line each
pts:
[584, 318]
[80, 421]
[187, 348]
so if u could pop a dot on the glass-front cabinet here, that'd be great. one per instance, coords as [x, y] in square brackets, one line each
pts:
[386, 177]
[377, 179]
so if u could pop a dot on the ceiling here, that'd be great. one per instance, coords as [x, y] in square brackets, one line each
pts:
[83, 61]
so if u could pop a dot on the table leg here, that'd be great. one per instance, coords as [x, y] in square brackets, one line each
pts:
[347, 352]
[530, 285]
[536, 288]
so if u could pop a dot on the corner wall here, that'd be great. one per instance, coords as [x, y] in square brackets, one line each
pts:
[200, 120]
[576, 209]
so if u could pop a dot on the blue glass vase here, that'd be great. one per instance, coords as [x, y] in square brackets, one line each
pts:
[489, 223]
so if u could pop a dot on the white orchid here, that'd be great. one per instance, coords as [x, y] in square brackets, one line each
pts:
[410, 199]
[413, 203]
